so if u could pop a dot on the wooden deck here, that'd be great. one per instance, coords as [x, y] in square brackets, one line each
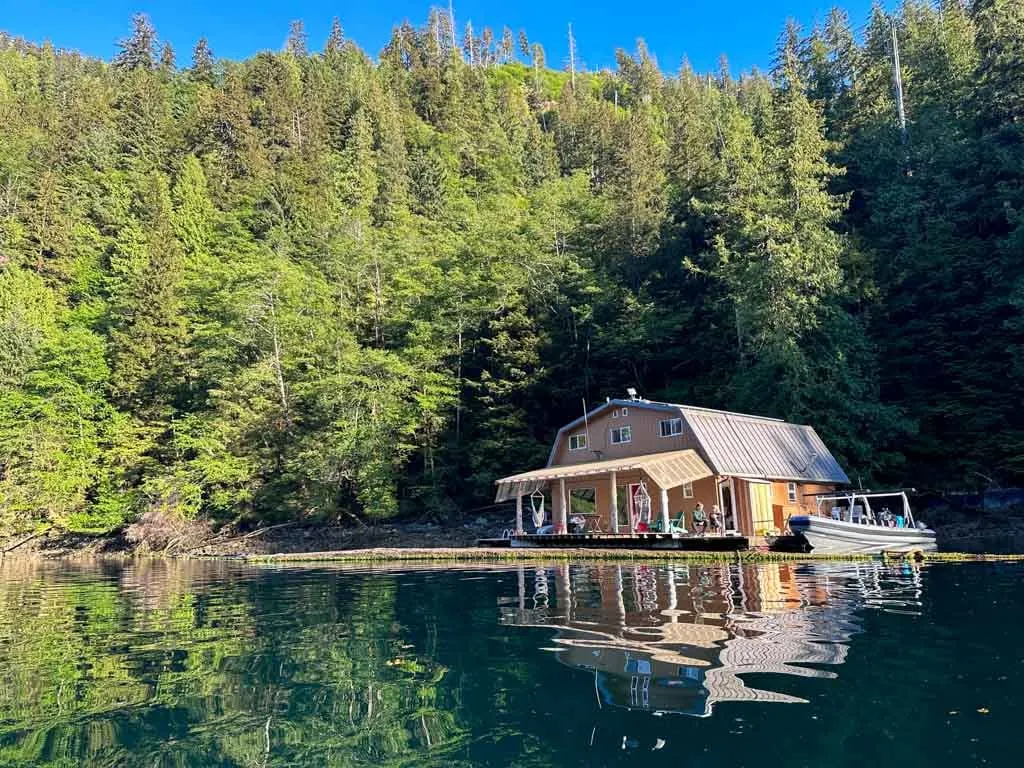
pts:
[622, 541]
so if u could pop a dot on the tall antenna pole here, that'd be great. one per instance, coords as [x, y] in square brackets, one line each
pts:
[898, 76]
[451, 23]
[572, 59]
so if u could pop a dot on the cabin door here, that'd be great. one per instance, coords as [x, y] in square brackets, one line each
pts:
[761, 507]
[728, 514]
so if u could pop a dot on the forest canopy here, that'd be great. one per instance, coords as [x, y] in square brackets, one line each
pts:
[318, 285]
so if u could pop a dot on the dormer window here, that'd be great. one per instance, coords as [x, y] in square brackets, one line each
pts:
[578, 442]
[670, 427]
[620, 435]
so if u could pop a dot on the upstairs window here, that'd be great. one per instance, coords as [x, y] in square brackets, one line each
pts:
[791, 492]
[670, 427]
[578, 442]
[621, 435]
[615, 413]
[687, 490]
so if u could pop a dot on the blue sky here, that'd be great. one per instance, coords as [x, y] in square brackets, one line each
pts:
[745, 30]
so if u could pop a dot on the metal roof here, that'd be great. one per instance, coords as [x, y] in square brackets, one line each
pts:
[668, 470]
[741, 444]
[737, 444]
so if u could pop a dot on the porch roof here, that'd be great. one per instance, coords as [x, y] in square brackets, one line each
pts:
[668, 470]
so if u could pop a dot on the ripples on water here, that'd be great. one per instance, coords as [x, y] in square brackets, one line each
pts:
[180, 664]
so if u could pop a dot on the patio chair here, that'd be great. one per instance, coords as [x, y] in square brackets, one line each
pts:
[674, 526]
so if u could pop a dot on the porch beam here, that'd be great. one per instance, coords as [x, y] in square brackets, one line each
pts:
[563, 509]
[519, 514]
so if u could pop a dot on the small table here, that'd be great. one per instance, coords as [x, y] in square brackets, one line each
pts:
[592, 521]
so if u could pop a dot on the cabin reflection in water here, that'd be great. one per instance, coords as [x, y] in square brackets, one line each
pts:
[675, 639]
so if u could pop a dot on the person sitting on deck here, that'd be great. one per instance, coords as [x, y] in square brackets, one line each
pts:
[716, 520]
[700, 520]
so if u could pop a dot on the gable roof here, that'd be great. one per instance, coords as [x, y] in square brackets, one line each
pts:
[738, 444]
[741, 444]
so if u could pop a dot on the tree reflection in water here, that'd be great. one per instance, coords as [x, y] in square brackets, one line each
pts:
[167, 663]
[163, 663]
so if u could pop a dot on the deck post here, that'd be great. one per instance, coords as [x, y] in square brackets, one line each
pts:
[519, 514]
[613, 506]
[664, 510]
[563, 509]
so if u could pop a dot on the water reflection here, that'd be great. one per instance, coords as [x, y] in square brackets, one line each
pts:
[676, 639]
[165, 663]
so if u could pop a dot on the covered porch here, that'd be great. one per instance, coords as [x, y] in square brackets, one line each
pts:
[647, 488]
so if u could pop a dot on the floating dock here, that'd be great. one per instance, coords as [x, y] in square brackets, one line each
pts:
[621, 541]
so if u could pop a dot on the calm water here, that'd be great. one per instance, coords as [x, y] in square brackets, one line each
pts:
[215, 664]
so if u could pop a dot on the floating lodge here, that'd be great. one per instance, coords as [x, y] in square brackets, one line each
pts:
[634, 470]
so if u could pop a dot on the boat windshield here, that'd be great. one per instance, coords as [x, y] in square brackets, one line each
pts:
[891, 510]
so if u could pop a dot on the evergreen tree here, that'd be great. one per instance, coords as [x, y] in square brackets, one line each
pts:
[138, 51]
[167, 57]
[336, 40]
[202, 62]
[319, 287]
[297, 44]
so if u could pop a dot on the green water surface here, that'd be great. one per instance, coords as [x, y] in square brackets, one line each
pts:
[158, 663]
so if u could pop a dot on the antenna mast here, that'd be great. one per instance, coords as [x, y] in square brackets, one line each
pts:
[572, 59]
[586, 424]
[451, 24]
[898, 76]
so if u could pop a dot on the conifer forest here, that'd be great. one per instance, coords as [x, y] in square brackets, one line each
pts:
[331, 284]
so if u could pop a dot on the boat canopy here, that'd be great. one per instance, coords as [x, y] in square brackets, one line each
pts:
[668, 470]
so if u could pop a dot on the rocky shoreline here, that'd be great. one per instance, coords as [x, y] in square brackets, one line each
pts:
[269, 540]
[292, 542]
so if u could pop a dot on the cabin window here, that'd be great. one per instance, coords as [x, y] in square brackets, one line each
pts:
[582, 501]
[625, 411]
[670, 427]
[621, 435]
[578, 442]
[615, 413]
[687, 490]
[791, 491]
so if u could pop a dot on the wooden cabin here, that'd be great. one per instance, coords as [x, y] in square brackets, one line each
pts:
[634, 463]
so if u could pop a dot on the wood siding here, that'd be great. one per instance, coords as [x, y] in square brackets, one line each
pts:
[646, 437]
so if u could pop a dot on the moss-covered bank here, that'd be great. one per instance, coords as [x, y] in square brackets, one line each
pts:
[502, 555]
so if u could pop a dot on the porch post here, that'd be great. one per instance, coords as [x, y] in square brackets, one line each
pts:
[664, 510]
[737, 525]
[613, 504]
[522, 590]
[519, 514]
[620, 604]
[721, 501]
[563, 509]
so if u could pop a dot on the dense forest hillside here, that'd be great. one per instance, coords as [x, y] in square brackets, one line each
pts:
[323, 284]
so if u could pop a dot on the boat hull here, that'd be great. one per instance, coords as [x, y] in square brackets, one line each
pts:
[827, 536]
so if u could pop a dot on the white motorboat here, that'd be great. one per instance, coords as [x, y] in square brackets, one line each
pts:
[863, 522]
